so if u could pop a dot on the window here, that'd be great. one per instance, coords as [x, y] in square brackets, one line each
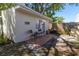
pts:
[29, 31]
[27, 22]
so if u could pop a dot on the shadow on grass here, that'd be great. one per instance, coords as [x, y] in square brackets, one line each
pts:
[70, 47]
[52, 43]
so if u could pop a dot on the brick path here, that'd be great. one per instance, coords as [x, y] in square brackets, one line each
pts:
[41, 40]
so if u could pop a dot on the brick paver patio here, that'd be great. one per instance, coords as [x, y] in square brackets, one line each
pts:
[41, 40]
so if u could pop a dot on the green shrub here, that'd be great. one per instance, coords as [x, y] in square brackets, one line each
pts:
[3, 40]
[66, 30]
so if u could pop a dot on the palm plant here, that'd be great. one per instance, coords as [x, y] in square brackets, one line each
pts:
[57, 24]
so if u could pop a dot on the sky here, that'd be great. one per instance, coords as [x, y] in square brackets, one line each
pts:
[70, 13]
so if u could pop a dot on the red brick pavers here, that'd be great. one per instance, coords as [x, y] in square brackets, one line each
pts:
[40, 40]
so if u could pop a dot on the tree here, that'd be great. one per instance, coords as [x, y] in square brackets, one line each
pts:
[4, 6]
[58, 19]
[47, 9]
[57, 24]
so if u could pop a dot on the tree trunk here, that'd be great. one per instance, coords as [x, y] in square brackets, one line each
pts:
[2, 33]
[60, 28]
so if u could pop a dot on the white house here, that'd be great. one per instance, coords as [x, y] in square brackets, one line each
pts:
[20, 22]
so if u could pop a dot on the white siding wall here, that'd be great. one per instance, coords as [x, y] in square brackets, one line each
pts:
[22, 28]
[15, 27]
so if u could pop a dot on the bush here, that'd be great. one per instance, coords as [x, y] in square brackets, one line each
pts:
[66, 30]
[60, 28]
[3, 40]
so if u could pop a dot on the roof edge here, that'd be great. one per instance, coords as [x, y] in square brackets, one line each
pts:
[34, 12]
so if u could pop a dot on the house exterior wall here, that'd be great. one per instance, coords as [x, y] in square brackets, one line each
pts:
[14, 24]
[21, 28]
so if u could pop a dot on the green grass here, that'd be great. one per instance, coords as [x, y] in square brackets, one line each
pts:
[3, 40]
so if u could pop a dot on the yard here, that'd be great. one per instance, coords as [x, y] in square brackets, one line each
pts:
[51, 47]
[47, 45]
